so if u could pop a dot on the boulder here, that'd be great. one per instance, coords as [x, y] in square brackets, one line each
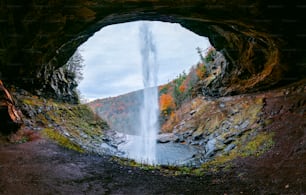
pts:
[166, 137]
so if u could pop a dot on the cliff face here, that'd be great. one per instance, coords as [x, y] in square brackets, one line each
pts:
[263, 41]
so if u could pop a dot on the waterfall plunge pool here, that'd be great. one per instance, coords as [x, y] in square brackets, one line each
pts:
[176, 154]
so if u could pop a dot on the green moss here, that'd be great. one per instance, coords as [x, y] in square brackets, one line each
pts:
[42, 118]
[222, 162]
[214, 122]
[258, 145]
[61, 139]
[78, 122]
[28, 101]
[268, 122]
[249, 111]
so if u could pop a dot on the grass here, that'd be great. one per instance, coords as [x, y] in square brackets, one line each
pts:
[258, 145]
[61, 139]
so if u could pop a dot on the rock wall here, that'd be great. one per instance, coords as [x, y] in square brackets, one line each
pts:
[11, 117]
[263, 41]
[241, 125]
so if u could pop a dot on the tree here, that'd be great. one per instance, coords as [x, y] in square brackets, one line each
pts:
[201, 71]
[182, 88]
[166, 103]
[74, 66]
[199, 50]
[210, 55]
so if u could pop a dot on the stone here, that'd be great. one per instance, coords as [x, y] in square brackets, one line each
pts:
[210, 146]
[33, 50]
[244, 124]
[229, 148]
[222, 105]
[166, 137]
[11, 117]
[225, 126]
[188, 133]
[197, 135]
[192, 112]
[179, 139]
[229, 140]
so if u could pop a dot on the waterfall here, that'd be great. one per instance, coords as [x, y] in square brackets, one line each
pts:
[150, 108]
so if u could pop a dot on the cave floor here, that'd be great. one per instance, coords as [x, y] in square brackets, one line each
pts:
[42, 167]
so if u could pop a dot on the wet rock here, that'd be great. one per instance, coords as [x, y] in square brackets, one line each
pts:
[179, 139]
[107, 148]
[229, 147]
[114, 138]
[166, 137]
[197, 135]
[210, 153]
[210, 147]
[228, 141]
[188, 133]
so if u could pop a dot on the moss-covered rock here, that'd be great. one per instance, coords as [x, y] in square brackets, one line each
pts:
[226, 128]
[61, 139]
[73, 126]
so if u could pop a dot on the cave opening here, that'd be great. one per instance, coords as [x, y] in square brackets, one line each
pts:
[113, 73]
[112, 60]
[247, 136]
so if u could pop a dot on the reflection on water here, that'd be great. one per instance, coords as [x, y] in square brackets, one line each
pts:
[166, 153]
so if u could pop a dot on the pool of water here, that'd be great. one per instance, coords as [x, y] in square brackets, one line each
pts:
[166, 153]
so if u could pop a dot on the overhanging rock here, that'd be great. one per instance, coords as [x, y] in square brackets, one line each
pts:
[263, 41]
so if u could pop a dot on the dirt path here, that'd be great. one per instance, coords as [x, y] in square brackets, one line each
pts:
[42, 167]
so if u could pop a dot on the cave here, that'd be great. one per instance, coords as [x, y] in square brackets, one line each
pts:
[264, 43]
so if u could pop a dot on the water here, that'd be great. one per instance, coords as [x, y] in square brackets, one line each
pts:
[144, 150]
[143, 147]
[166, 153]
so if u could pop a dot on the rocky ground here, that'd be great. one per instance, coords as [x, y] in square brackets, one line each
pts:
[42, 167]
[37, 165]
[242, 125]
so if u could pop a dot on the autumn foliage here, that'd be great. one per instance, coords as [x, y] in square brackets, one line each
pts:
[122, 112]
[182, 88]
[201, 71]
[166, 103]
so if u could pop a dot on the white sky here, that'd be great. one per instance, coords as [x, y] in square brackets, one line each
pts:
[113, 62]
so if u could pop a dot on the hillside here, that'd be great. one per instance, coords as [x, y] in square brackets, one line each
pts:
[122, 112]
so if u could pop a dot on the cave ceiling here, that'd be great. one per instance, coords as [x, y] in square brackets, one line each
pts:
[263, 41]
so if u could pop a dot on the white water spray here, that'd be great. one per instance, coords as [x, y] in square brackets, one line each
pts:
[149, 111]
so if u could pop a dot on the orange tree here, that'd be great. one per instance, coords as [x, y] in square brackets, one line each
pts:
[166, 103]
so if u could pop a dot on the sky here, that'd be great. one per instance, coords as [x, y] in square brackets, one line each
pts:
[113, 61]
